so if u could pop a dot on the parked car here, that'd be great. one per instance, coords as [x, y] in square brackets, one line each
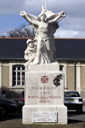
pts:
[21, 102]
[7, 106]
[73, 100]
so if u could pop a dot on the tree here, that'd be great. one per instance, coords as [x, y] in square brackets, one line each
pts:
[22, 31]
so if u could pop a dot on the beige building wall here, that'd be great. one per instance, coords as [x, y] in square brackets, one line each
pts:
[70, 77]
[5, 76]
[0, 77]
[12, 92]
[83, 81]
[83, 77]
[78, 77]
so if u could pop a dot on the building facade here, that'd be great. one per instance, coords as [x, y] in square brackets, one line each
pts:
[70, 55]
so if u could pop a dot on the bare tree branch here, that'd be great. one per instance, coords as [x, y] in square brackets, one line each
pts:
[22, 31]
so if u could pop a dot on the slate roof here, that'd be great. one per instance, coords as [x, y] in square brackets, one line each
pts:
[66, 49]
[12, 49]
[70, 49]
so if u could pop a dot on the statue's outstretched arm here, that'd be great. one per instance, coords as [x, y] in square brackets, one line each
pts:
[58, 17]
[24, 14]
[30, 18]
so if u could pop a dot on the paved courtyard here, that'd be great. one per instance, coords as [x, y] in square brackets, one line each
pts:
[15, 121]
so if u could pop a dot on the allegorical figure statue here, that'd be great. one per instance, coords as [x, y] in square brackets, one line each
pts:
[45, 26]
[30, 52]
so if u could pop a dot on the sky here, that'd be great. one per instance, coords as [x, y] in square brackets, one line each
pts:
[72, 26]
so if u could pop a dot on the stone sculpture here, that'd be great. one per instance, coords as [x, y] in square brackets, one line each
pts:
[30, 52]
[45, 26]
[44, 90]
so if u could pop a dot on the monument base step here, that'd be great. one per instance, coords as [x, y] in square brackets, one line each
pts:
[44, 114]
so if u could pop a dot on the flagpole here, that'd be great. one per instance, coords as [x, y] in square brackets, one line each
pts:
[45, 4]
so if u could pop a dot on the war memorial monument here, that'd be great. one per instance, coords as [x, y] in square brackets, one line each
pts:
[44, 91]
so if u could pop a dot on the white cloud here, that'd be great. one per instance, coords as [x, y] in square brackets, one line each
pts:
[3, 33]
[66, 33]
[9, 7]
[73, 8]
[14, 7]
[71, 26]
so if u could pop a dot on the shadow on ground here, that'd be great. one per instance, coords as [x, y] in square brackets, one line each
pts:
[11, 116]
[72, 117]
[17, 115]
[70, 121]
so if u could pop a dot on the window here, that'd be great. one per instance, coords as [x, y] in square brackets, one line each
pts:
[18, 75]
[71, 94]
[61, 67]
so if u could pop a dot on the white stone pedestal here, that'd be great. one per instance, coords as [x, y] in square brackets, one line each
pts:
[44, 100]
